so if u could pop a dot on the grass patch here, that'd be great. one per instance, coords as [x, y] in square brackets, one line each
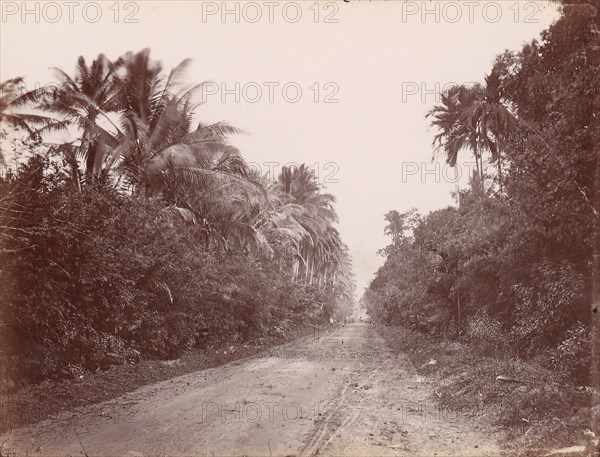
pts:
[537, 415]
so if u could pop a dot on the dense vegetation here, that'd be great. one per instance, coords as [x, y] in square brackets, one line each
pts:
[512, 266]
[147, 235]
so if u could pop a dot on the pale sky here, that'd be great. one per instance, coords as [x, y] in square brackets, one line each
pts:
[378, 65]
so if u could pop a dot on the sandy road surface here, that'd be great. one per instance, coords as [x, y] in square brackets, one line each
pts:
[340, 393]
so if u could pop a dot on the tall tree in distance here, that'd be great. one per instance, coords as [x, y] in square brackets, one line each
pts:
[310, 215]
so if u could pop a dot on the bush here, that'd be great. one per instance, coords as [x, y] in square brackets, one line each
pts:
[93, 278]
[572, 357]
[486, 335]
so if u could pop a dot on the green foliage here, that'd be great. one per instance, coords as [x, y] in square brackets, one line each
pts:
[165, 242]
[510, 268]
[486, 334]
[95, 278]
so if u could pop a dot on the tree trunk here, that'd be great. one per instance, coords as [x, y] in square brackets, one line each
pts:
[307, 267]
[476, 159]
[500, 173]
[479, 165]
[481, 179]
[73, 164]
[90, 160]
[499, 163]
[457, 186]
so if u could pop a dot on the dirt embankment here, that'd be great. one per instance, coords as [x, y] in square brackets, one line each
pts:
[537, 413]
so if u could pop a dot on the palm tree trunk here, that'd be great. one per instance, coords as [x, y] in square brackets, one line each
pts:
[499, 163]
[307, 267]
[479, 165]
[457, 186]
[481, 172]
[476, 161]
[75, 173]
[500, 173]
[90, 160]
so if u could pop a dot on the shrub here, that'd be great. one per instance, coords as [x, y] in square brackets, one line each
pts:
[486, 335]
[572, 357]
[93, 278]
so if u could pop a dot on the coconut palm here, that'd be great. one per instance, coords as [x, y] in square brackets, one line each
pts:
[455, 133]
[156, 151]
[312, 216]
[493, 118]
[16, 113]
[155, 134]
[83, 100]
[472, 118]
[297, 210]
[137, 131]
[12, 100]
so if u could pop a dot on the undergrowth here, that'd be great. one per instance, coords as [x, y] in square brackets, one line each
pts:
[539, 413]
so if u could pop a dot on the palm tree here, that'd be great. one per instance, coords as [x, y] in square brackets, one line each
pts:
[15, 112]
[83, 100]
[12, 98]
[455, 133]
[495, 119]
[297, 210]
[155, 131]
[473, 118]
[313, 215]
[136, 127]
[156, 151]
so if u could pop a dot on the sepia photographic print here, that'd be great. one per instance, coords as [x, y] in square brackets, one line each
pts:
[333, 228]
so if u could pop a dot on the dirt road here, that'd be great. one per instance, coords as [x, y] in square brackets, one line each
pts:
[337, 393]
